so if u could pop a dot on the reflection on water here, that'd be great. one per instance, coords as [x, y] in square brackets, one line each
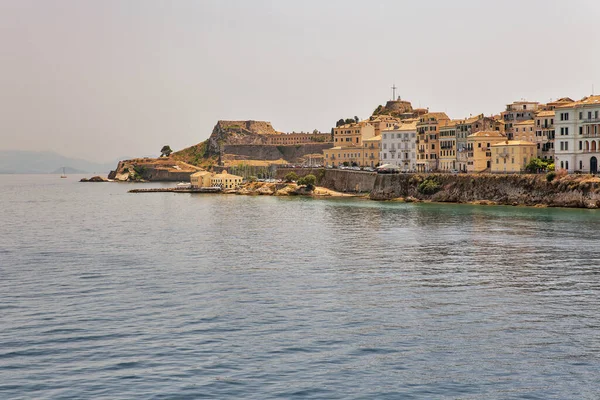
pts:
[116, 295]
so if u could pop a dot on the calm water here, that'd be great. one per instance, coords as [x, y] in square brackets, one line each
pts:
[105, 294]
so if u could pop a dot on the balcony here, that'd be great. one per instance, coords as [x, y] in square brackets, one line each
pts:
[591, 135]
[392, 150]
[590, 121]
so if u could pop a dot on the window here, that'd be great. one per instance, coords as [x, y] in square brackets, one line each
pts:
[580, 145]
[566, 146]
[580, 130]
[566, 165]
[580, 115]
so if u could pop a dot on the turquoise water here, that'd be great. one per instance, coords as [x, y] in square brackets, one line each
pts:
[105, 294]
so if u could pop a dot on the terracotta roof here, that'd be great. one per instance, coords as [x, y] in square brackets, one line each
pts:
[527, 122]
[545, 114]
[514, 143]
[486, 134]
[373, 139]
[586, 101]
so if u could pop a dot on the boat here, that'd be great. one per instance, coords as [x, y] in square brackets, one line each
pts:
[63, 174]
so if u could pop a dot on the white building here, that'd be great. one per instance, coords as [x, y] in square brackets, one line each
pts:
[398, 145]
[577, 143]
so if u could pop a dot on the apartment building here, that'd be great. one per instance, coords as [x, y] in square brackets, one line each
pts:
[398, 145]
[428, 140]
[479, 153]
[577, 143]
[516, 112]
[512, 156]
[447, 141]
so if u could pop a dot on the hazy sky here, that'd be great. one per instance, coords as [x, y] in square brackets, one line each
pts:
[108, 78]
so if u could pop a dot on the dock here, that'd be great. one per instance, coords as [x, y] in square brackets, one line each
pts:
[178, 190]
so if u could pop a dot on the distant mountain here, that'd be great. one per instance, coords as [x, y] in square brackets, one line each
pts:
[46, 162]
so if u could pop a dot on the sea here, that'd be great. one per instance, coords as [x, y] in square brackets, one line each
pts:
[106, 294]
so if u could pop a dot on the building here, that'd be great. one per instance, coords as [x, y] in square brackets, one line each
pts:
[545, 134]
[223, 180]
[200, 179]
[577, 143]
[479, 153]
[398, 145]
[512, 156]
[448, 160]
[382, 122]
[298, 138]
[428, 139]
[348, 141]
[523, 130]
[516, 112]
[370, 152]
[469, 126]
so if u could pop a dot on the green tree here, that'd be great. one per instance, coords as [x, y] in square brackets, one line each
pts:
[356, 119]
[291, 177]
[340, 122]
[536, 165]
[309, 180]
[165, 151]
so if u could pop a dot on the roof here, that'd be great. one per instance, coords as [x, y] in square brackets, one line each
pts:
[514, 143]
[486, 134]
[526, 122]
[373, 139]
[434, 115]
[224, 174]
[586, 101]
[200, 173]
[546, 114]
[450, 124]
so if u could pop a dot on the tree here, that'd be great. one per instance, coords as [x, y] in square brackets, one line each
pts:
[309, 180]
[291, 177]
[340, 122]
[356, 119]
[536, 165]
[165, 151]
[349, 121]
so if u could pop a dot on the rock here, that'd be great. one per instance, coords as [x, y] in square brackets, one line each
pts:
[94, 179]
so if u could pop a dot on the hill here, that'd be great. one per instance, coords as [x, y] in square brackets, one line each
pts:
[46, 162]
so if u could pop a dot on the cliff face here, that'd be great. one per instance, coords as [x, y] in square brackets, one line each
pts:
[575, 191]
[238, 132]
[530, 190]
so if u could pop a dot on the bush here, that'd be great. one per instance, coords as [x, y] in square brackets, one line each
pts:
[291, 177]
[252, 179]
[550, 176]
[429, 186]
[309, 180]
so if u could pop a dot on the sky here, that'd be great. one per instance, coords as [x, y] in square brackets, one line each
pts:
[105, 79]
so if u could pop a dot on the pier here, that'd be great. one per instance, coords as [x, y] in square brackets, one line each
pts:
[178, 190]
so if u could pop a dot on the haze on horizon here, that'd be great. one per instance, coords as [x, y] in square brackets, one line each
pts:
[108, 78]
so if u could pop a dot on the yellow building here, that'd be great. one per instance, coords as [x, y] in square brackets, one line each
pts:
[208, 179]
[524, 130]
[200, 179]
[225, 180]
[428, 129]
[348, 142]
[479, 153]
[512, 156]
[371, 150]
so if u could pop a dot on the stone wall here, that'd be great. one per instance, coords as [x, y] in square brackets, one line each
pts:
[336, 179]
[291, 154]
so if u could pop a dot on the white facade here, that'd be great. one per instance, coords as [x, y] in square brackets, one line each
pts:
[398, 146]
[577, 130]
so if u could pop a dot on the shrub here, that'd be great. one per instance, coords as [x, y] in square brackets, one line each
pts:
[429, 186]
[291, 177]
[309, 180]
[252, 179]
[550, 176]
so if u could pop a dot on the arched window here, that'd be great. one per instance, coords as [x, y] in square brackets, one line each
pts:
[593, 145]
[566, 165]
[587, 145]
[562, 165]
